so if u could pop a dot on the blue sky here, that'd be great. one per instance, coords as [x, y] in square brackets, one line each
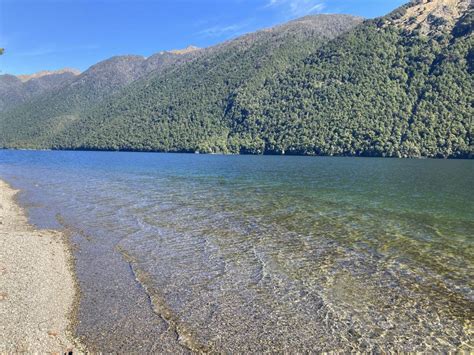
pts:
[52, 34]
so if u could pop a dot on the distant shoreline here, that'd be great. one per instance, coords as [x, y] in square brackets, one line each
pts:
[463, 157]
[38, 291]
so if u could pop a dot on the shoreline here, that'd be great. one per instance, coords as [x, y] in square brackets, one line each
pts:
[38, 288]
[369, 156]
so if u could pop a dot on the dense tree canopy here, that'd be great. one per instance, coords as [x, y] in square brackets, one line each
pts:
[377, 91]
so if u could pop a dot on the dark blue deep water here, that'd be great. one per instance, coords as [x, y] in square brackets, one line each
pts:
[260, 253]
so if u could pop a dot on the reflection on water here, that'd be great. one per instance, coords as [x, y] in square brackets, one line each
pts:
[242, 253]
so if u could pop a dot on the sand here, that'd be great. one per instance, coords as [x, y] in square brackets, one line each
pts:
[37, 286]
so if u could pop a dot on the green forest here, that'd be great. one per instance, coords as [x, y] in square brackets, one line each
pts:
[365, 89]
[376, 91]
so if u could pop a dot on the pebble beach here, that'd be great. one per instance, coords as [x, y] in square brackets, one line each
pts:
[37, 286]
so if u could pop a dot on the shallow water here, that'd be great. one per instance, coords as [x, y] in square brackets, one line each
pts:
[253, 253]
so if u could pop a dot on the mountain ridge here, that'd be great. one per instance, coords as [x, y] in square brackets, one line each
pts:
[186, 50]
[40, 74]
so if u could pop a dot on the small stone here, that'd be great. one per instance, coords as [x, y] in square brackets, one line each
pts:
[52, 333]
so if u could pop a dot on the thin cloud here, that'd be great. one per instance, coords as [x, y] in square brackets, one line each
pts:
[220, 31]
[297, 8]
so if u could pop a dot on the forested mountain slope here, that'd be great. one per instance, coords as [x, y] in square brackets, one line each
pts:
[15, 90]
[50, 113]
[400, 86]
[185, 109]
[380, 90]
[181, 107]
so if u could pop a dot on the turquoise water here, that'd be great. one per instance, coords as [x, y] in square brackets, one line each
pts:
[260, 253]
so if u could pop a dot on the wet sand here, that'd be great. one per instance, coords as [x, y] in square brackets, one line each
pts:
[37, 286]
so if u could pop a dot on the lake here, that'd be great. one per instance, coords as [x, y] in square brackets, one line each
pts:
[179, 252]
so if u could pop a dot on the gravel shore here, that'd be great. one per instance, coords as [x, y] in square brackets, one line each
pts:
[37, 287]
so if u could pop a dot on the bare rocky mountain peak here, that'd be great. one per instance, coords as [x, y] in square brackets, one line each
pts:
[27, 77]
[186, 50]
[428, 16]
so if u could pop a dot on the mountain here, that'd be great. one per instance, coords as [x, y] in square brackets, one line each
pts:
[55, 109]
[191, 87]
[383, 89]
[99, 81]
[15, 90]
[397, 86]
